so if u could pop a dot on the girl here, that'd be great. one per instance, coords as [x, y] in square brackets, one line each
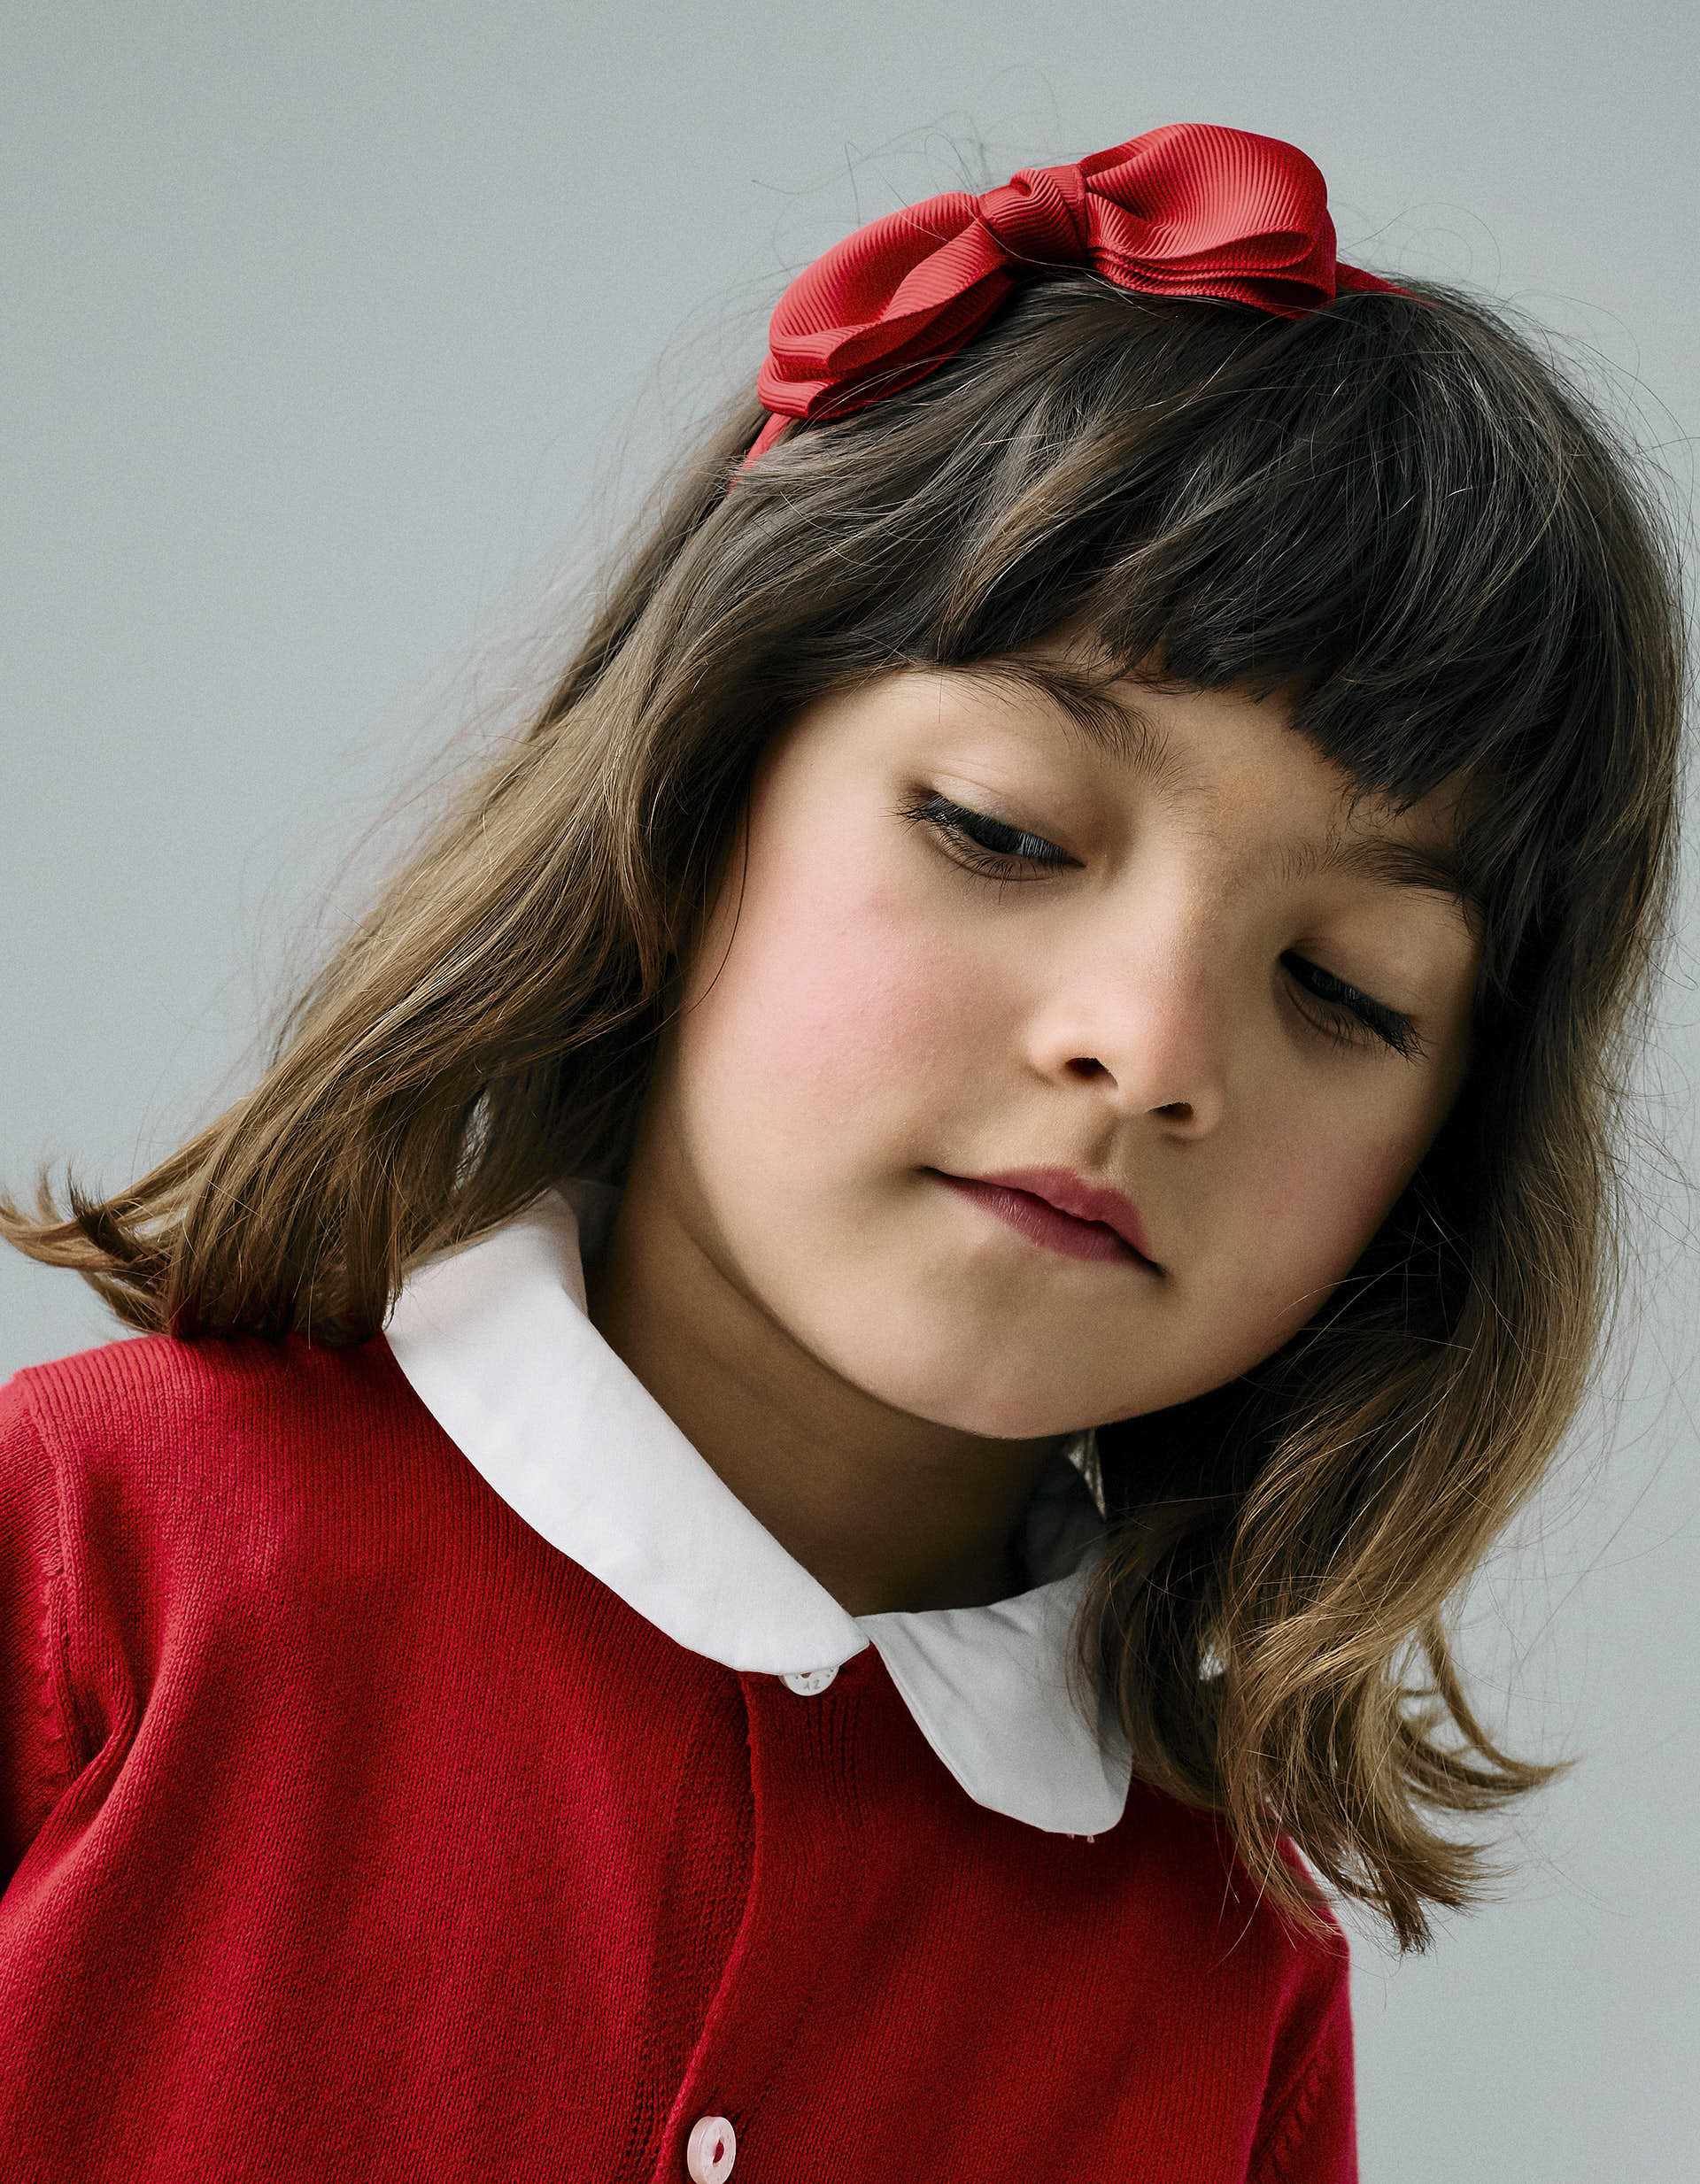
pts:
[797, 1467]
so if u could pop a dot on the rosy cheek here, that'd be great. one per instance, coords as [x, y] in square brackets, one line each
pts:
[827, 999]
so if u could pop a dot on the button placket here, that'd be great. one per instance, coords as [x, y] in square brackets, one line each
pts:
[807, 1870]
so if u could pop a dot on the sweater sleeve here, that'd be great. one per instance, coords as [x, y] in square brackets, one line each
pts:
[36, 1749]
[1310, 2136]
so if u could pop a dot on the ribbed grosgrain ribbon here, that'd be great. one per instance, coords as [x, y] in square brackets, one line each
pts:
[1187, 211]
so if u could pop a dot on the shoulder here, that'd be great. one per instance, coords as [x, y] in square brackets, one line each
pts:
[149, 1384]
[1281, 1983]
[1190, 1860]
[171, 1483]
[153, 1389]
[165, 1452]
[178, 1518]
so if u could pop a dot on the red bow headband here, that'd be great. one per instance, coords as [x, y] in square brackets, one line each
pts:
[1187, 211]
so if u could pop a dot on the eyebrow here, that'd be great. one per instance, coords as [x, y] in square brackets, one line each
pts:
[1112, 724]
[1390, 861]
[1117, 726]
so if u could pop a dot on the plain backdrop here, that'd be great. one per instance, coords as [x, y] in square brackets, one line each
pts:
[338, 339]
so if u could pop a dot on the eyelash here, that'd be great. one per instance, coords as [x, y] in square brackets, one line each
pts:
[996, 851]
[987, 846]
[1351, 1013]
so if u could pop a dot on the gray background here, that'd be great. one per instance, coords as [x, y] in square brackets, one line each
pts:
[336, 333]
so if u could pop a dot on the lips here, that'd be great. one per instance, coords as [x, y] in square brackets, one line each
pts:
[1055, 1208]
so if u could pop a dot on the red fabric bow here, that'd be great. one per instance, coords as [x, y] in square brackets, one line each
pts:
[1191, 209]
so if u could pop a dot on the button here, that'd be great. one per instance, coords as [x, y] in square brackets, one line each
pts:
[710, 2151]
[807, 1682]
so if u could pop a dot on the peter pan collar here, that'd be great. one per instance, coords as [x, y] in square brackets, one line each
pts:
[495, 1339]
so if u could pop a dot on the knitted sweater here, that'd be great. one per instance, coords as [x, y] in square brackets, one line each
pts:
[350, 1829]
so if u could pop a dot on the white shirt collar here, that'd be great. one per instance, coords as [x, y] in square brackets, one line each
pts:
[495, 1340]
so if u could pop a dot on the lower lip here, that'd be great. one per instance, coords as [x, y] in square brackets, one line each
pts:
[1041, 1222]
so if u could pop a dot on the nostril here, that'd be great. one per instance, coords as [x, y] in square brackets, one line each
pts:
[1085, 1065]
[1178, 1110]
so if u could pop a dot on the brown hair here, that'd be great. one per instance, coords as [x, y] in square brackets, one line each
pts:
[1394, 507]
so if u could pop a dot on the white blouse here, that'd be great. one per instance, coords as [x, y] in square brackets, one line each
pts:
[495, 1339]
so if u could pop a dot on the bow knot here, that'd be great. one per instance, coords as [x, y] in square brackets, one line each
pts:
[1187, 211]
[1039, 216]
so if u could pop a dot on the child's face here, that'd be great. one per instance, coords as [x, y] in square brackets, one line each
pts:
[1158, 981]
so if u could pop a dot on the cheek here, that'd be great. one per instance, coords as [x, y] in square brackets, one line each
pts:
[1317, 1194]
[834, 1007]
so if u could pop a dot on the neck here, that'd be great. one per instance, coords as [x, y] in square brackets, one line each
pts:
[885, 1510]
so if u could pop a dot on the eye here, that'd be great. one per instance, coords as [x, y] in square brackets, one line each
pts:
[1345, 1014]
[984, 844]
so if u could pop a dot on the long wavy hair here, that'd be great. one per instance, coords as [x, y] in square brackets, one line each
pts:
[1396, 509]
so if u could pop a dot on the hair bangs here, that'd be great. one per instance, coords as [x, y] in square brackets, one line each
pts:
[1388, 510]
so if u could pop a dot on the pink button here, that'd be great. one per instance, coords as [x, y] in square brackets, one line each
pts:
[710, 2151]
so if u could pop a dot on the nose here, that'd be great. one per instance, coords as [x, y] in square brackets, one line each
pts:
[1145, 1029]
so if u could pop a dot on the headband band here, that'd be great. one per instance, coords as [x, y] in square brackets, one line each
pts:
[1187, 211]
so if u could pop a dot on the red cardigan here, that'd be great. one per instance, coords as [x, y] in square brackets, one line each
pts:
[350, 1830]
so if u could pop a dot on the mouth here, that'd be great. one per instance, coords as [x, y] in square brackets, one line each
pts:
[1060, 1212]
